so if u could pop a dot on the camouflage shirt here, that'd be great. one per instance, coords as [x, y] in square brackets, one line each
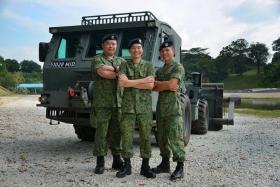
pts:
[137, 100]
[169, 101]
[105, 91]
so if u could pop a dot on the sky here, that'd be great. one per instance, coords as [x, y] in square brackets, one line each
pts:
[211, 24]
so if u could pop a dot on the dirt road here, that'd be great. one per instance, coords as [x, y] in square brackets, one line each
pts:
[33, 153]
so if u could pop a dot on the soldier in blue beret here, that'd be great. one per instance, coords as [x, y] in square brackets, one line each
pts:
[169, 113]
[106, 104]
[137, 79]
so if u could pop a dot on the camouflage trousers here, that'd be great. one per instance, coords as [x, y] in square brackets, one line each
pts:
[144, 123]
[170, 137]
[107, 130]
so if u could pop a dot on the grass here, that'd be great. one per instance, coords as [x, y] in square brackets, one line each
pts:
[248, 80]
[260, 113]
[5, 92]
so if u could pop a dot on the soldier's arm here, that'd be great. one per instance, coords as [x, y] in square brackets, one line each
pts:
[109, 68]
[171, 85]
[106, 72]
[145, 86]
[103, 70]
[145, 83]
[151, 75]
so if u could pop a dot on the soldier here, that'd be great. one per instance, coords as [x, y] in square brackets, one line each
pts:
[137, 78]
[106, 103]
[169, 114]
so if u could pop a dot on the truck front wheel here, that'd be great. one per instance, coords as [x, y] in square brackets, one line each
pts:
[84, 133]
[186, 114]
[200, 126]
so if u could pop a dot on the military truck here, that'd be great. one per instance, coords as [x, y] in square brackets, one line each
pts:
[67, 83]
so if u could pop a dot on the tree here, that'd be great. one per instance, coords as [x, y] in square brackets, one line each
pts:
[12, 65]
[29, 66]
[271, 75]
[276, 45]
[2, 65]
[258, 52]
[276, 57]
[271, 71]
[9, 80]
[223, 64]
[276, 48]
[237, 52]
[226, 57]
[199, 60]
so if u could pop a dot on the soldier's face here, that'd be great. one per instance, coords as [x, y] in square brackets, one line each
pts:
[136, 51]
[167, 54]
[109, 47]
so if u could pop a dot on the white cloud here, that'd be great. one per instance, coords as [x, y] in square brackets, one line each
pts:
[25, 21]
[200, 23]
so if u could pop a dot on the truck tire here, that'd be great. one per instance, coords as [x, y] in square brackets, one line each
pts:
[186, 114]
[200, 126]
[84, 133]
[215, 127]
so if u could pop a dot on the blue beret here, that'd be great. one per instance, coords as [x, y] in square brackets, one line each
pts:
[167, 43]
[135, 41]
[109, 37]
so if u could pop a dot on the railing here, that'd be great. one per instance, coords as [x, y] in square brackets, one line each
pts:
[118, 18]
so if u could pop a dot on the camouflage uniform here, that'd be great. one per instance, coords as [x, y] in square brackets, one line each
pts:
[136, 109]
[106, 107]
[169, 114]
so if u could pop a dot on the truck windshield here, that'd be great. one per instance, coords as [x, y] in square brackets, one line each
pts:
[124, 36]
[68, 46]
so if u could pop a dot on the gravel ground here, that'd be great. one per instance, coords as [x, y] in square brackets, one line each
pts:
[33, 153]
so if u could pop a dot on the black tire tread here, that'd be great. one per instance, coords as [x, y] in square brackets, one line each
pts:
[186, 109]
[84, 133]
[200, 126]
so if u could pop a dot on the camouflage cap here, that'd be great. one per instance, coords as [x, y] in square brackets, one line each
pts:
[135, 41]
[167, 43]
[109, 37]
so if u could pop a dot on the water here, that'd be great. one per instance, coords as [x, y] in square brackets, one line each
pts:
[264, 104]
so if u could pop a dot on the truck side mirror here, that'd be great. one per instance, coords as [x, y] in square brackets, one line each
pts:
[43, 49]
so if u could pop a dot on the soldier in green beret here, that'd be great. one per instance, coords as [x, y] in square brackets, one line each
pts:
[137, 79]
[106, 103]
[169, 113]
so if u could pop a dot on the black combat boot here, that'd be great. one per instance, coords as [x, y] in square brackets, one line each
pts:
[99, 169]
[163, 167]
[117, 162]
[126, 170]
[179, 172]
[146, 170]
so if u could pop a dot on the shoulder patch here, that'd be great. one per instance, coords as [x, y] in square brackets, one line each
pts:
[97, 58]
[120, 60]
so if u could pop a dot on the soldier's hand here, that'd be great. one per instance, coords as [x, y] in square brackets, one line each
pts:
[123, 77]
[117, 68]
[174, 89]
[149, 79]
